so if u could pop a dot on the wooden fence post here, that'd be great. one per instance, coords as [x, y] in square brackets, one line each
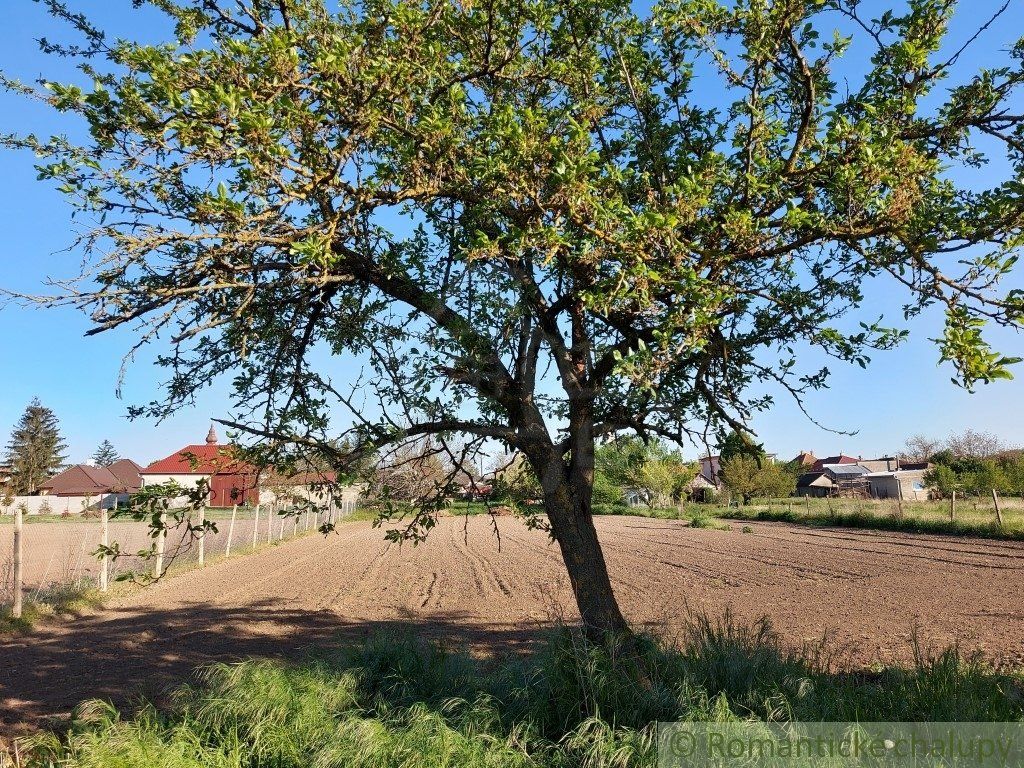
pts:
[256, 527]
[104, 542]
[952, 507]
[999, 514]
[202, 537]
[231, 530]
[161, 541]
[18, 523]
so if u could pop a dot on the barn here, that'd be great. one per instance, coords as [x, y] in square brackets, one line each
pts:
[231, 481]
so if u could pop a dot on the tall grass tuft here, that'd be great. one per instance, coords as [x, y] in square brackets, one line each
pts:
[61, 599]
[392, 702]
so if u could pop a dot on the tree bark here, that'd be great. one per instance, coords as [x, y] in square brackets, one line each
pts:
[569, 511]
[568, 484]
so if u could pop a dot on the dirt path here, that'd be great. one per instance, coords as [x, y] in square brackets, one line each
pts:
[866, 590]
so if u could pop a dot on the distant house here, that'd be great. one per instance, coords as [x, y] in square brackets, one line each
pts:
[883, 464]
[814, 484]
[701, 489]
[710, 467]
[476, 490]
[121, 477]
[231, 481]
[847, 479]
[904, 484]
[319, 487]
[805, 459]
[833, 479]
[820, 464]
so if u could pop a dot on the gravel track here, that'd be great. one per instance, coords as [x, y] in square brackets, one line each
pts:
[867, 592]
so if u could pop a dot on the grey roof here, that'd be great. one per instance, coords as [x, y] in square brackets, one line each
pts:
[845, 470]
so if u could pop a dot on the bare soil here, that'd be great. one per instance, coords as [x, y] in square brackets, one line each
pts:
[867, 593]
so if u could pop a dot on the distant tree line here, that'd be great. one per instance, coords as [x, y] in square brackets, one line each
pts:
[969, 475]
[969, 462]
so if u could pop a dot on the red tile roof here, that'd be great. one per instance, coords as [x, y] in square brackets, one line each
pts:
[805, 459]
[85, 479]
[840, 459]
[127, 472]
[200, 460]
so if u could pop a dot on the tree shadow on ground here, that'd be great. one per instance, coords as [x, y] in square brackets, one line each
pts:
[126, 655]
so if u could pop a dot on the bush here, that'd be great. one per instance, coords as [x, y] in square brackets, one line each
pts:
[604, 508]
[701, 519]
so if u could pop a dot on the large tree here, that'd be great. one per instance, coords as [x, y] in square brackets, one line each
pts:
[36, 449]
[538, 223]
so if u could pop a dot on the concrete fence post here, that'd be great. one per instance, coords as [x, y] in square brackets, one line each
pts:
[161, 542]
[270, 522]
[231, 530]
[18, 546]
[256, 527]
[104, 542]
[202, 536]
[952, 507]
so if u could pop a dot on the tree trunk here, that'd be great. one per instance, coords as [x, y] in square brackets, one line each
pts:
[568, 484]
[569, 510]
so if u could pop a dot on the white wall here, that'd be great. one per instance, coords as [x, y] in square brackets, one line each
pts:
[185, 481]
[347, 495]
[59, 505]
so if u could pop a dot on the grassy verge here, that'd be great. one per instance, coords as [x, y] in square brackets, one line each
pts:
[907, 523]
[395, 702]
[916, 517]
[57, 600]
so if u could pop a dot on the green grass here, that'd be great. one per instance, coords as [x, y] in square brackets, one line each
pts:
[908, 522]
[91, 517]
[973, 516]
[57, 600]
[393, 702]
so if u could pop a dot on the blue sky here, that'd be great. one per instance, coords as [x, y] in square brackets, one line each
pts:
[44, 353]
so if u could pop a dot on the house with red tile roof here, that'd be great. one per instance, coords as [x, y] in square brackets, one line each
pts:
[819, 465]
[121, 477]
[230, 480]
[805, 459]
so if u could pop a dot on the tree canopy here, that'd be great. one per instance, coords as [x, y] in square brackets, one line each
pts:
[538, 223]
[748, 476]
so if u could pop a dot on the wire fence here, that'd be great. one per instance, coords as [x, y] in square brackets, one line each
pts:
[42, 555]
